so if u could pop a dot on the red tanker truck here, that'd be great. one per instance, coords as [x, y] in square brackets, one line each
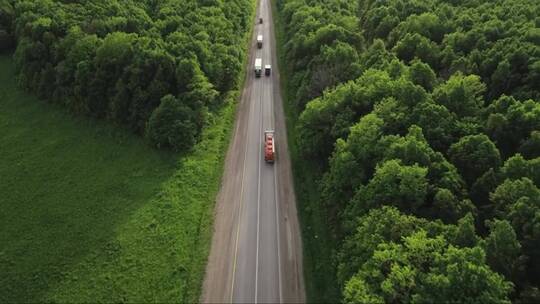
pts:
[269, 146]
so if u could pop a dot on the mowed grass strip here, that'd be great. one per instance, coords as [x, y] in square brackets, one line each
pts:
[90, 213]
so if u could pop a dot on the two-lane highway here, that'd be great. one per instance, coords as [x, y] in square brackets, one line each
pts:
[256, 254]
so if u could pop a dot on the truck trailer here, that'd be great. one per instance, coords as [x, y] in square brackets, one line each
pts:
[258, 67]
[269, 146]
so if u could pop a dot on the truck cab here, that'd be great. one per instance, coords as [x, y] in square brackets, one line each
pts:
[259, 41]
[258, 67]
[267, 70]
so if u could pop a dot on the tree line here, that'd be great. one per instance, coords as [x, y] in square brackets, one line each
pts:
[157, 67]
[424, 118]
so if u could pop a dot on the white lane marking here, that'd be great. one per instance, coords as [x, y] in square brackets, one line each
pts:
[276, 197]
[278, 240]
[289, 240]
[261, 116]
[258, 195]
[241, 203]
[274, 64]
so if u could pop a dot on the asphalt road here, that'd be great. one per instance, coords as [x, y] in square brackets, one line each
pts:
[256, 253]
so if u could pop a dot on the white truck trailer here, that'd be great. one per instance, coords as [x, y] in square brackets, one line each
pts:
[259, 41]
[258, 67]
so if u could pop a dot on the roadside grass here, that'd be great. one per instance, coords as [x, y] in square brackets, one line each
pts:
[91, 213]
[318, 243]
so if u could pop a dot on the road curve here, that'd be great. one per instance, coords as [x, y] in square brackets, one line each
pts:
[256, 253]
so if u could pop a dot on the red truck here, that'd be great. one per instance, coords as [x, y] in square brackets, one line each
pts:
[269, 146]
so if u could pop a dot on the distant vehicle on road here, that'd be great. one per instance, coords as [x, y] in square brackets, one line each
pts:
[267, 70]
[269, 146]
[259, 41]
[258, 67]
[260, 20]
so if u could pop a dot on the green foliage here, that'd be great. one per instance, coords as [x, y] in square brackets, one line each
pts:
[421, 74]
[351, 163]
[90, 213]
[324, 44]
[438, 124]
[461, 95]
[6, 20]
[518, 201]
[531, 147]
[353, 185]
[517, 167]
[118, 59]
[511, 122]
[427, 134]
[465, 234]
[429, 116]
[461, 275]
[357, 291]
[171, 125]
[417, 46]
[511, 191]
[394, 184]
[423, 269]
[320, 116]
[474, 155]
[329, 117]
[448, 206]
[503, 249]
[385, 224]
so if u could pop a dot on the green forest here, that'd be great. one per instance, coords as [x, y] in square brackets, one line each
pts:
[421, 121]
[159, 68]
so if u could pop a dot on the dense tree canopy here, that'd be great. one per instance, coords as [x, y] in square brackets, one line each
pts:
[395, 258]
[7, 14]
[437, 114]
[126, 60]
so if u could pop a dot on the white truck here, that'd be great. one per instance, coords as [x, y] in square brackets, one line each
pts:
[259, 41]
[258, 67]
[267, 70]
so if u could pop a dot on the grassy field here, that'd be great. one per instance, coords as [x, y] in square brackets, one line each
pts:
[318, 244]
[91, 213]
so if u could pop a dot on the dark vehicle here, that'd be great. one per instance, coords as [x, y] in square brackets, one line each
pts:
[259, 41]
[267, 69]
[260, 20]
